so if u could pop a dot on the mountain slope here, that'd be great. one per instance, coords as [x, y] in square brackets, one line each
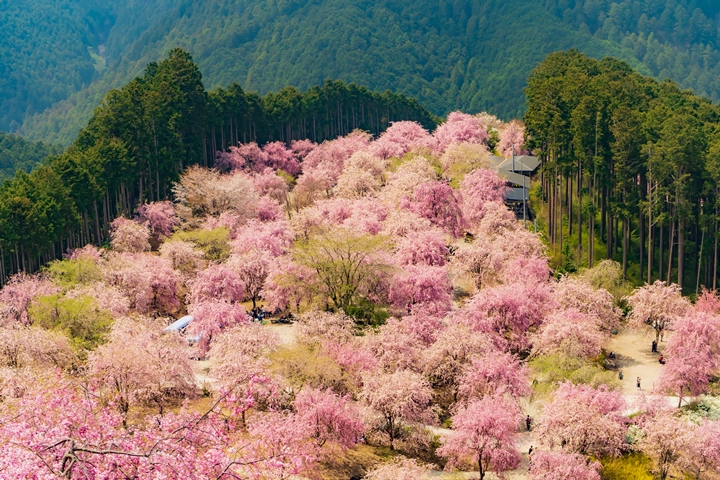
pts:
[16, 153]
[472, 55]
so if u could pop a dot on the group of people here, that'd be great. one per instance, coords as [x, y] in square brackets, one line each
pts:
[258, 314]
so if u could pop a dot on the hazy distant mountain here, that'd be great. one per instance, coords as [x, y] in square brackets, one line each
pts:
[63, 55]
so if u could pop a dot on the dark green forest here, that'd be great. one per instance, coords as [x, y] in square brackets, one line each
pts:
[470, 55]
[16, 153]
[630, 169]
[143, 135]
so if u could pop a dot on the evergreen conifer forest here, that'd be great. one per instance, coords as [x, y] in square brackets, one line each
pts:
[326, 281]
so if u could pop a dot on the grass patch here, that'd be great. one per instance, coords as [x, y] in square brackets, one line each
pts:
[635, 466]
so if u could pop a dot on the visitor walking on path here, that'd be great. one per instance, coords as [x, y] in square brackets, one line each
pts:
[528, 422]
[638, 382]
[654, 346]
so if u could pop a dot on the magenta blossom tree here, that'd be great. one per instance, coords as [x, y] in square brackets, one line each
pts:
[428, 287]
[279, 157]
[218, 282]
[159, 217]
[148, 281]
[436, 201]
[484, 433]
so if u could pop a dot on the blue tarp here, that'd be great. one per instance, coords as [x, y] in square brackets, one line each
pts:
[180, 324]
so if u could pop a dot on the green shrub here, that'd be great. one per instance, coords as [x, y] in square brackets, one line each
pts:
[214, 243]
[366, 312]
[70, 273]
[79, 318]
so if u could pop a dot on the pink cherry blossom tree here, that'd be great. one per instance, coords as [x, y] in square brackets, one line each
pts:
[331, 418]
[398, 397]
[395, 348]
[129, 236]
[27, 346]
[702, 453]
[561, 466]
[693, 355]
[708, 302]
[19, 292]
[271, 238]
[183, 256]
[666, 439]
[484, 433]
[279, 157]
[141, 365]
[436, 201]
[512, 140]
[657, 306]
[460, 127]
[476, 190]
[268, 183]
[577, 294]
[302, 148]
[212, 317]
[252, 268]
[288, 284]
[148, 281]
[508, 313]
[159, 217]
[586, 420]
[494, 374]
[570, 333]
[445, 360]
[423, 285]
[246, 155]
[400, 138]
[427, 248]
[218, 282]
[240, 366]
[423, 325]
[238, 346]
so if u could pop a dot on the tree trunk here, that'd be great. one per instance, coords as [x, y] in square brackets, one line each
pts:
[681, 251]
[672, 245]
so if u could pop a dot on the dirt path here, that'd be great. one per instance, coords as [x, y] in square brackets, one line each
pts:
[636, 359]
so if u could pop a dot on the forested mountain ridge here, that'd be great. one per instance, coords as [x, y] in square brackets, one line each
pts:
[472, 55]
[16, 153]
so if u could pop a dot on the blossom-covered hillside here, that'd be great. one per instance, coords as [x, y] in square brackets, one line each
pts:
[426, 330]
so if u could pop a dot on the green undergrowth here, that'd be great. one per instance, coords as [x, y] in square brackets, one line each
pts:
[80, 318]
[551, 370]
[214, 243]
